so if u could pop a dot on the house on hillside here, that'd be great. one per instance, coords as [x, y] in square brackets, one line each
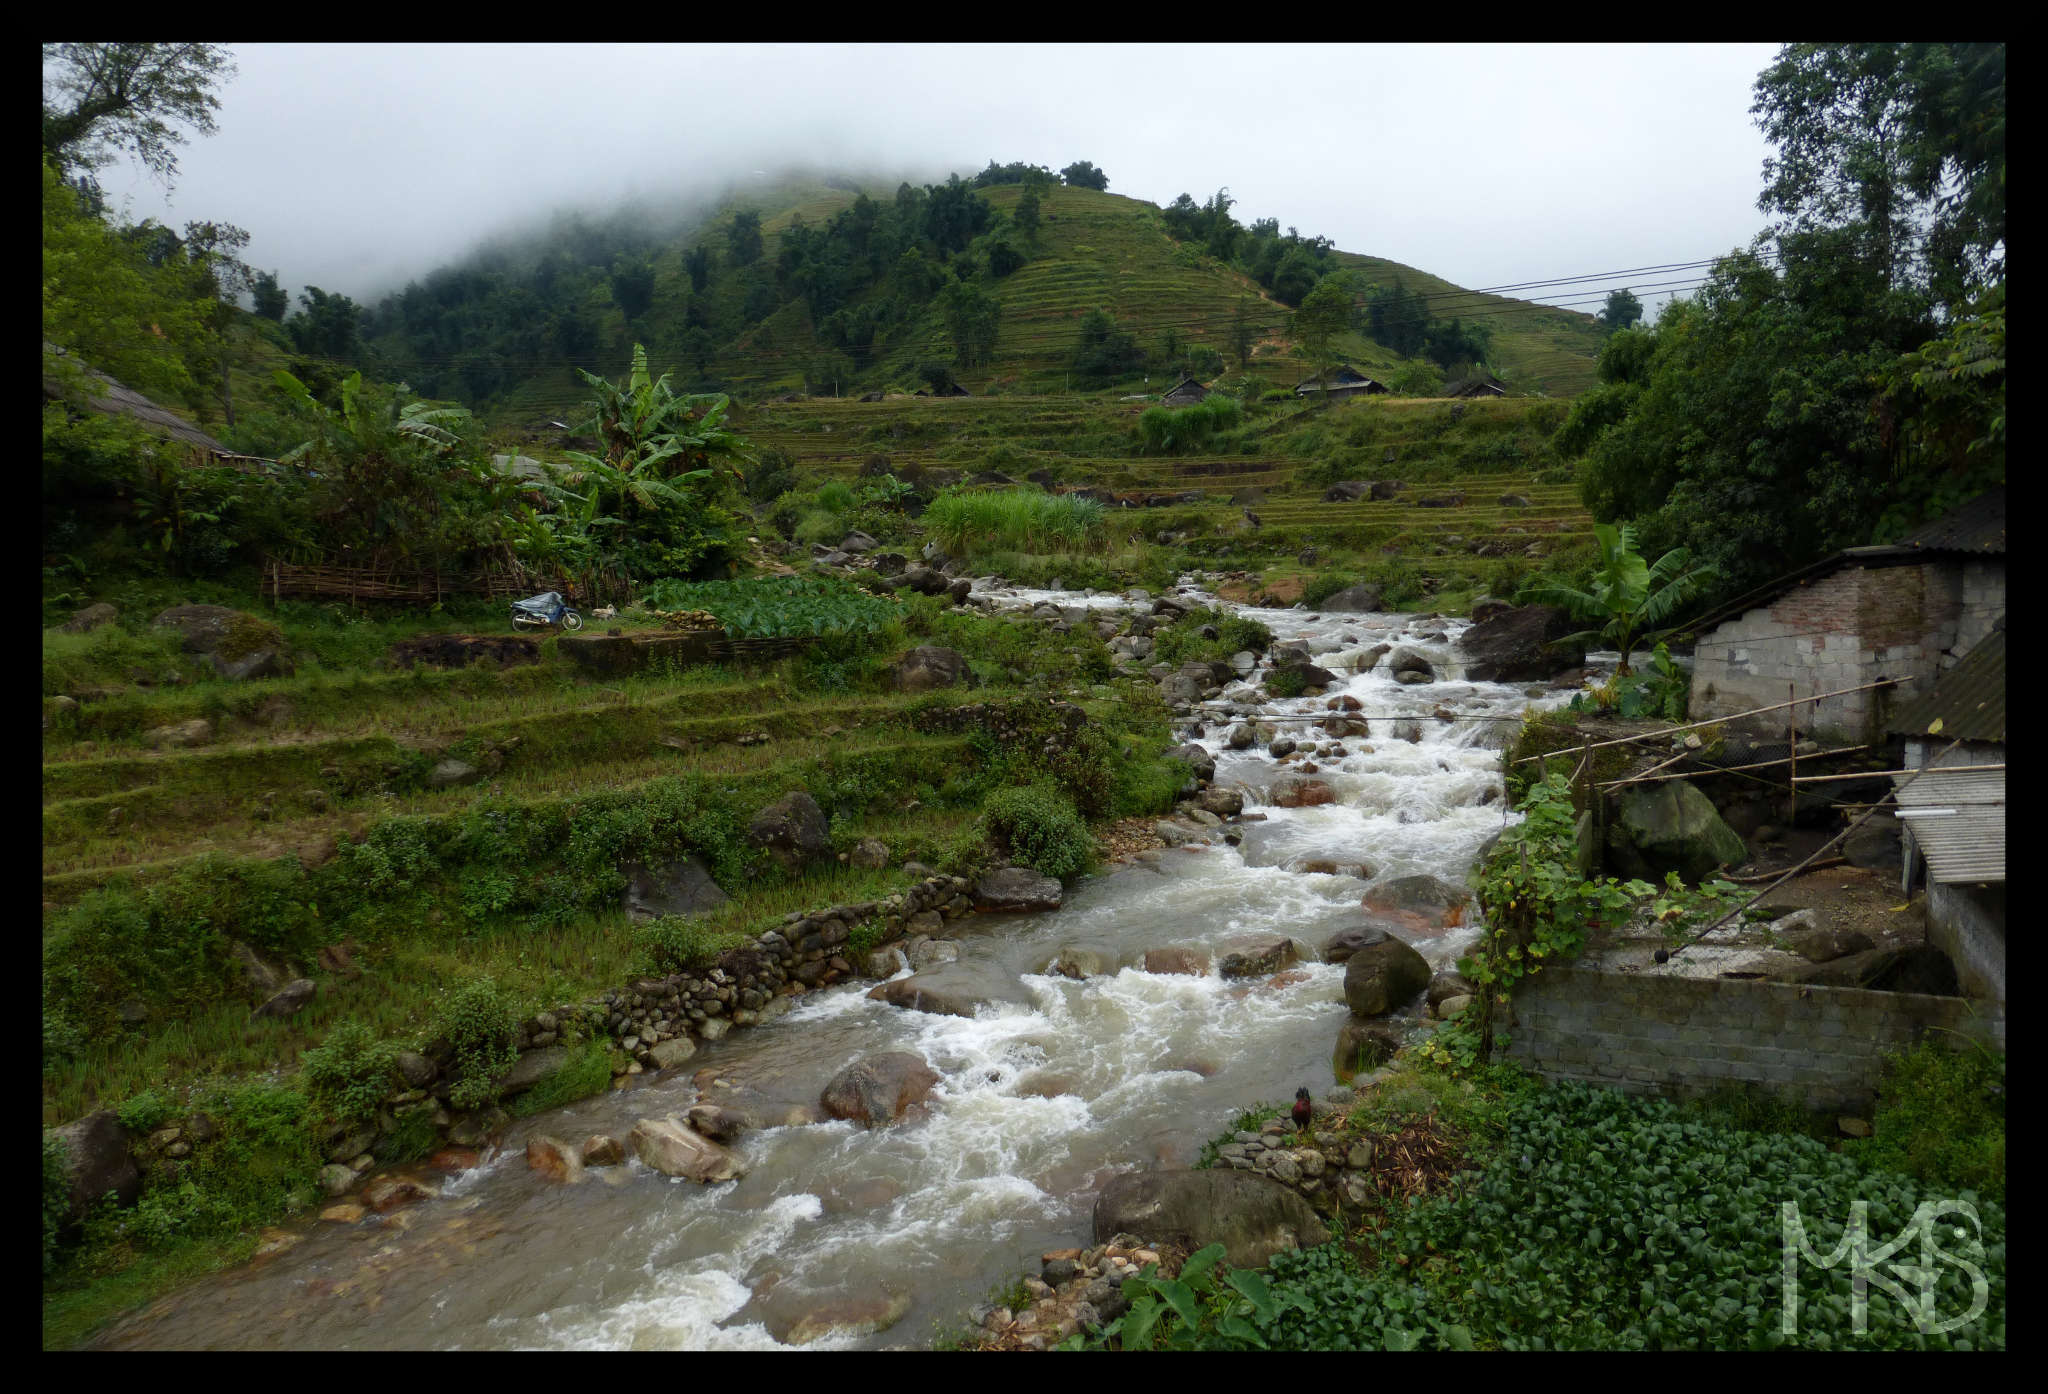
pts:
[1186, 395]
[1483, 385]
[1954, 823]
[81, 385]
[1910, 610]
[1344, 381]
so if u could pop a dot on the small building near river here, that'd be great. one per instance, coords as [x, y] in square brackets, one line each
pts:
[1909, 611]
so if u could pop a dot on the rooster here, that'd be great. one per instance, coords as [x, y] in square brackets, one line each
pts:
[1304, 1112]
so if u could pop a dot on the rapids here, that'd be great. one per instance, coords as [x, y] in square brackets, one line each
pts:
[1036, 1107]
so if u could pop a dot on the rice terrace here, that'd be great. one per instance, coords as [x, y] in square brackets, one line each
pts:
[808, 758]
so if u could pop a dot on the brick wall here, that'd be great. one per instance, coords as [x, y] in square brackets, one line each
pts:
[1820, 1047]
[1853, 626]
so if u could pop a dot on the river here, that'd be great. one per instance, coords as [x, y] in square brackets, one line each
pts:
[1035, 1109]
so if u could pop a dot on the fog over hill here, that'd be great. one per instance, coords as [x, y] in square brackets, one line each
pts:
[357, 167]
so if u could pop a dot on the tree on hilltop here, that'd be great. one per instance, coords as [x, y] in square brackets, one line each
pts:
[1083, 175]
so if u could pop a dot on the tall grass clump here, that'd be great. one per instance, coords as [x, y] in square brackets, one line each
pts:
[1017, 520]
[1168, 430]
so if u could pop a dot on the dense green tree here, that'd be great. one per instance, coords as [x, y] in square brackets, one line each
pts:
[270, 299]
[743, 238]
[697, 266]
[1326, 313]
[935, 374]
[328, 325]
[1026, 216]
[1296, 275]
[1621, 311]
[1398, 318]
[1105, 353]
[101, 101]
[107, 305]
[1083, 175]
[973, 317]
[1901, 144]
[1454, 344]
[633, 287]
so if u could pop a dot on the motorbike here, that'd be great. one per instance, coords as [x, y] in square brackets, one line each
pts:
[545, 609]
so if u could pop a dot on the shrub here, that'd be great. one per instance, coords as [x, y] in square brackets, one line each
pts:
[413, 1137]
[1024, 520]
[1041, 830]
[479, 1023]
[350, 1071]
[1287, 682]
[1324, 585]
[673, 943]
[147, 1111]
[1941, 1118]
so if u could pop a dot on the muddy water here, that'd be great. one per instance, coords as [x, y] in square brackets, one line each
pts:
[1037, 1105]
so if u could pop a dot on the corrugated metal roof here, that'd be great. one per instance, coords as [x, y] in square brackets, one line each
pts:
[1966, 843]
[1978, 526]
[1969, 699]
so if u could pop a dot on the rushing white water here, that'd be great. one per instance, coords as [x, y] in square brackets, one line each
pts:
[1036, 1106]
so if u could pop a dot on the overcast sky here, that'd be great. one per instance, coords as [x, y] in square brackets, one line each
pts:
[356, 167]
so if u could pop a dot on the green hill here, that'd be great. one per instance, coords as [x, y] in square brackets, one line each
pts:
[846, 292]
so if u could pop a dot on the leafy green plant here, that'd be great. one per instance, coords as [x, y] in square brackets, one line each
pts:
[350, 1071]
[1626, 594]
[147, 1111]
[478, 1022]
[778, 607]
[1941, 1118]
[1041, 830]
[672, 943]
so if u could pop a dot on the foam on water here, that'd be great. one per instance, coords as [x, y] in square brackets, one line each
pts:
[1037, 1104]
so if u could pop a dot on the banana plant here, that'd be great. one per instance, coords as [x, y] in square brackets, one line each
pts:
[1626, 594]
[646, 429]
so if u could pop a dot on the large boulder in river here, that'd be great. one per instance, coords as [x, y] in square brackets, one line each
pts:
[1259, 959]
[1360, 599]
[792, 830]
[1522, 645]
[881, 1089]
[1299, 791]
[1309, 674]
[928, 666]
[1339, 947]
[1361, 1045]
[1381, 976]
[97, 1162]
[1016, 888]
[1085, 960]
[1253, 1217]
[1196, 758]
[954, 989]
[1671, 826]
[674, 1150]
[1419, 904]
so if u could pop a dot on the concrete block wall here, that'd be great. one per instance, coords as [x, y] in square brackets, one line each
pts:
[1822, 1048]
[1980, 604]
[1968, 924]
[1850, 627]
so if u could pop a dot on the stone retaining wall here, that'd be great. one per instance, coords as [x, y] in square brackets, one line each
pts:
[1821, 1047]
[659, 1022]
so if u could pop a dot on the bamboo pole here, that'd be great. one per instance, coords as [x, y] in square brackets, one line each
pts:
[1884, 774]
[1714, 721]
[1648, 778]
[1816, 856]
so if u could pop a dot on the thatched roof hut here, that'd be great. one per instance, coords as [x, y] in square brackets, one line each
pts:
[1186, 394]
